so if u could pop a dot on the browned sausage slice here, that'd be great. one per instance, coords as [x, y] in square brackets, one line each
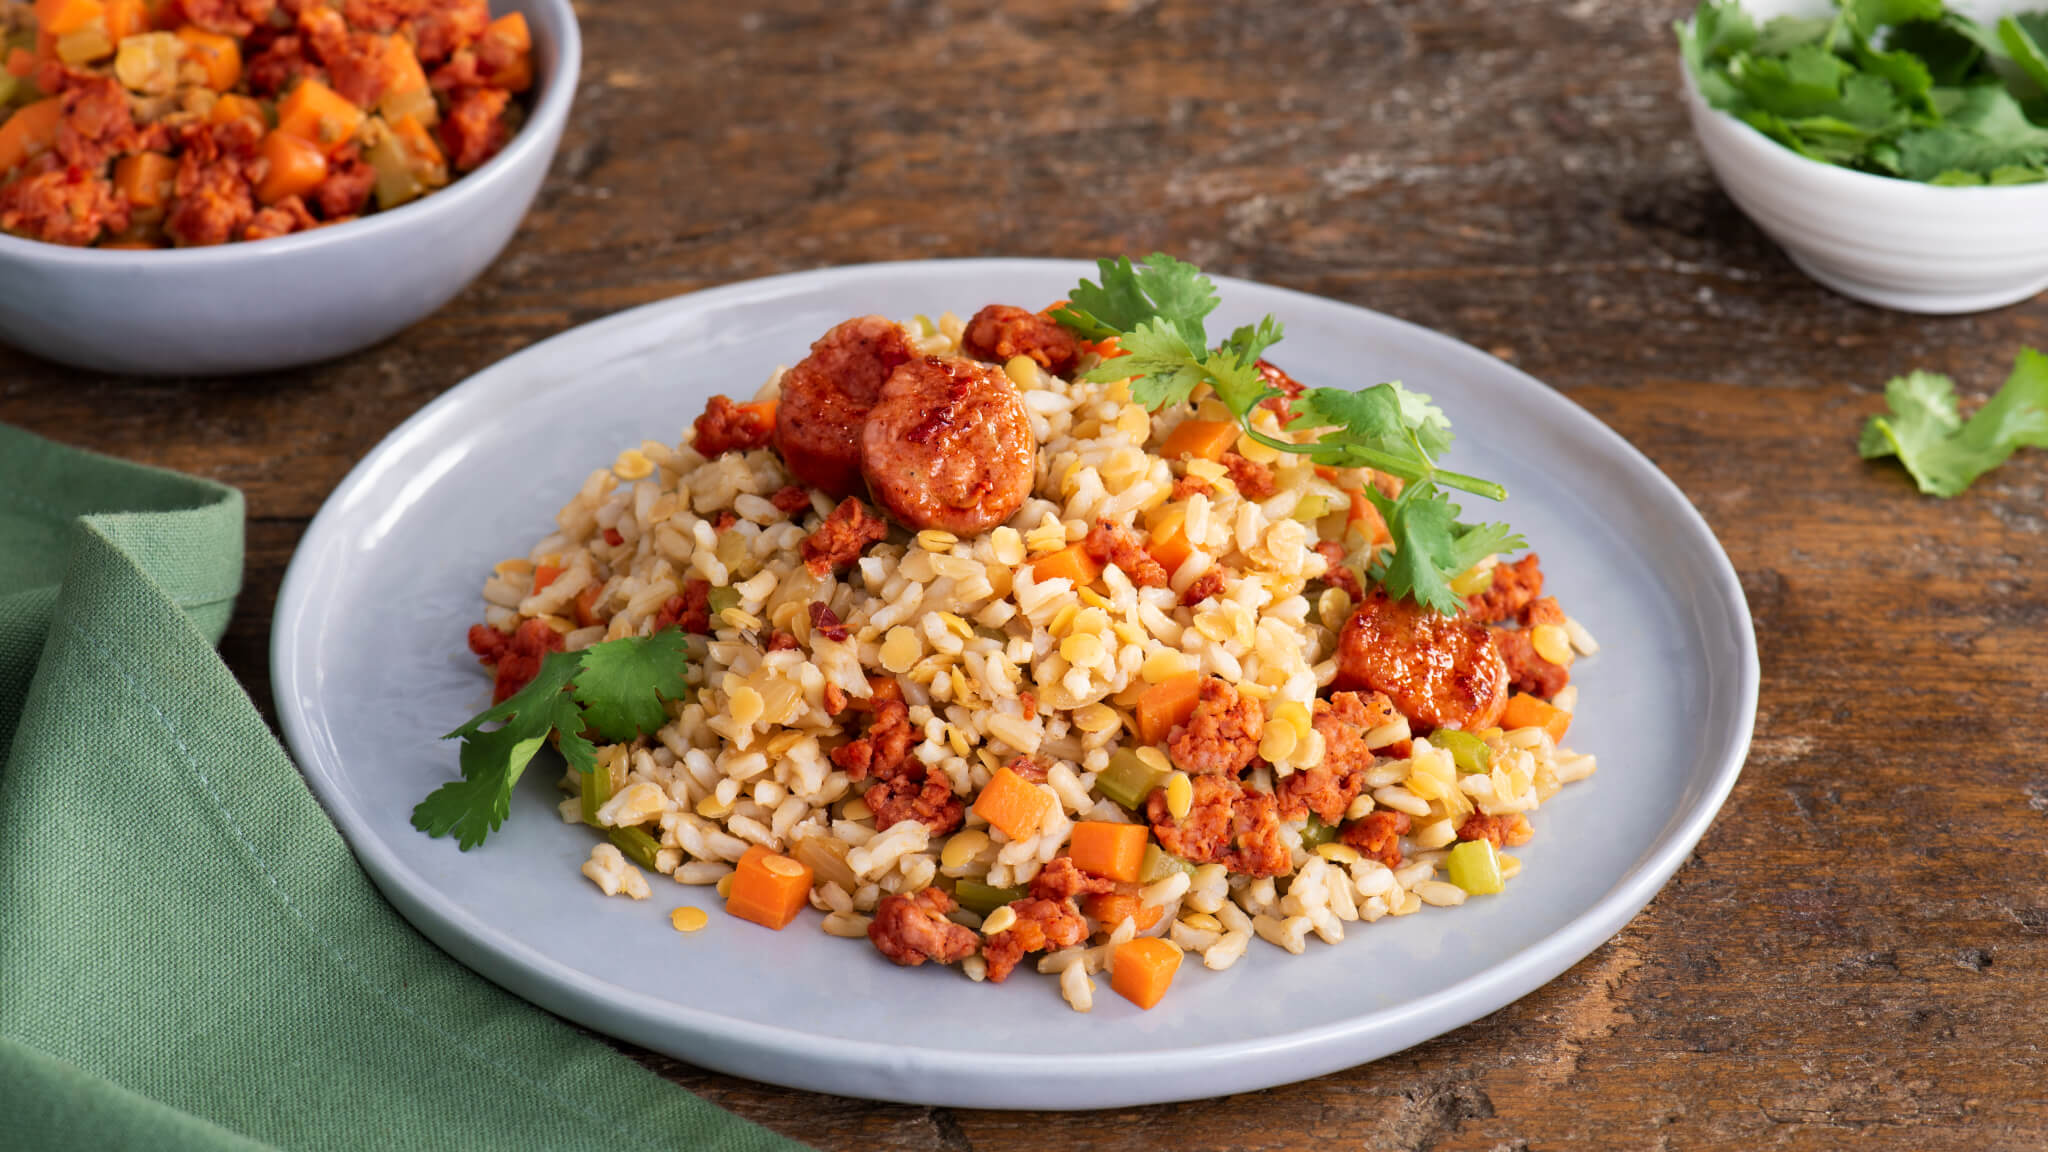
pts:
[1001, 331]
[949, 446]
[1440, 671]
[826, 396]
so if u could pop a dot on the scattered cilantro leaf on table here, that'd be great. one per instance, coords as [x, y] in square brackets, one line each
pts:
[1155, 313]
[1902, 88]
[614, 690]
[1946, 453]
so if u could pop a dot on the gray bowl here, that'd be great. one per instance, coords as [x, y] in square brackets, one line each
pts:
[269, 304]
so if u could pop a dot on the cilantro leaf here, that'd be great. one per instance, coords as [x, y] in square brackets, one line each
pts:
[1161, 366]
[1944, 453]
[1163, 289]
[615, 688]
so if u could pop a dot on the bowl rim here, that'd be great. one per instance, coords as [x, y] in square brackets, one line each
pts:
[1849, 177]
[558, 90]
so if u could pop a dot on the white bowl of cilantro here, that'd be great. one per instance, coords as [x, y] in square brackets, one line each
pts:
[1897, 150]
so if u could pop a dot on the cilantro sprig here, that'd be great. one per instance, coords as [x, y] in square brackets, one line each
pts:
[1946, 453]
[1156, 311]
[613, 690]
[1903, 88]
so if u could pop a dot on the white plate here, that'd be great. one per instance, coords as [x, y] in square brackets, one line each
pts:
[370, 669]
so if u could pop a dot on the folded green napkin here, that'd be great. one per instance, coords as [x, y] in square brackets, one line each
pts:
[189, 956]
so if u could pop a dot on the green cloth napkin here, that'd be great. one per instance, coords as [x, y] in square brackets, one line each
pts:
[189, 956]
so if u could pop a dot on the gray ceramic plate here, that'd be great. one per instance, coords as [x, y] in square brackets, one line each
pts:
[370, 669]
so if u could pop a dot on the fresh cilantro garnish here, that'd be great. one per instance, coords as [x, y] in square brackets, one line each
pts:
[1946, 453]
[614, 689]
[1155, 312]
[1902, 88]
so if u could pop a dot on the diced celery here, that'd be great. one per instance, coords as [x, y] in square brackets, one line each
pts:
[1475, 867]
[1469, 752]
[1315, 833]
[1312, 507]
[1159, 864]
[982, 899]
[721, 599]
[638, 846]
[597, 788]
[1128, 780]
[396, 184]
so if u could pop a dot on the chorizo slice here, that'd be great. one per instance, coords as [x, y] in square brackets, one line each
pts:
[826, 397]
[1001, 331]
[948, 445]
[1440, 671]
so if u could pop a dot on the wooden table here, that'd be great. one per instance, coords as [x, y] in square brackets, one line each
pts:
[1858, 951]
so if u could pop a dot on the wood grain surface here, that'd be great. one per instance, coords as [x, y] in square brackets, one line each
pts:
[1856, 955]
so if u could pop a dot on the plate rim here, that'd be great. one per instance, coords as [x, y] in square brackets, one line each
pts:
[878, 1069]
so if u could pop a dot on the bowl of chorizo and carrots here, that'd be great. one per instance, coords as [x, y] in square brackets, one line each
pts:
[221, 186]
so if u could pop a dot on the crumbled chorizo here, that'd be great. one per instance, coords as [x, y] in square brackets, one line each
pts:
[1225, 824]
[1289, 388]
[1515, 587]
[1507, 831]
[1221, 738]
[1208, 584]
[912, 928]
[729, 427]
[780, 641]
[723, 522]
[883, 747]
[1254, 480]
[515, 659]
[840, 540]
[1062, 879]
[1186, 486]
[60, 203]
[445, 26]
[1339, 574]
[282, 64]
[474, 129]
[381, 15]
[793, 500]
[918, 794]
[227, 17]
[826, 623]
[1328, 788]
[97, 125]
[1377, 835]
[690, 611]
[1028, 701]
[1028, 767]
[1528, 671]
[212, 198]
[1261, 847]
[1114, 544]
[1041, 925]
[346, 190]
[1001, 331]
[283, 218]
[835, 699]
[1440, 671]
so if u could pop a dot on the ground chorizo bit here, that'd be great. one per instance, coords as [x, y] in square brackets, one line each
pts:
[883, 747]
[378, 15]
[1289, 388]
[911, 929]
[825, 622]
[1328, 788]
[1254, 480]
[1042, 925]
[1515, 587]
[1206, 585]
[1062, 879]
[273, 71]
[97, 124]
[1221, 738]
[1440, 671]
[1527, 671]
[1225, 824]
[1377, 835]
[445, 26]
[515, 659]
[1339, 574]
[920, 795]
[1114, 544]
[227, 17]
[1001, 331]
[1507, 831]
[723, 522]
[690, 611]
[729, 427]
[1028, 701]
[780, 641]
[793, 500]
[212, 200]
[474, 129]
[1187, 486]
[840, 540]
[346, 190]
[948, 445]
[826, 397]
[835, 699]
[356, 64]
[1261, 847]
[60, 204]
[1028, 767]
[283, 218]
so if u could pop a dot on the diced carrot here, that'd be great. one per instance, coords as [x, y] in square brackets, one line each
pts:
[762, 410]
[1113, 851]
[1113, 908]
[46, 45]
[126, 18]
[164, 15]
[511, 28]
[297, 166]
[130, 245]
[1013, 804]
[31, 129]
[1108, 349]
[1142, 969]
[422, 155]
[20, 62]
[586, 605]
[1526, 711]
[219, 55]
[516, 74]
[1368, 521]
[232, 106]
[145, 178]
[315, 112]
[1208, 439]
[401, 66]
[544, 575]
[63, 17]
[768, 889]
[1169, 544]
[1167, 705]
[1069, 563]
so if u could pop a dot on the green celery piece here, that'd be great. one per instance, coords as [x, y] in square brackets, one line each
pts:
[1311, 508]
[597, 789]
[1475, 867]
[1468, 752]
[1128, 779]
[638, 846]
[982, 899]
[1315, 833]
[721, 599]
[1159, 864]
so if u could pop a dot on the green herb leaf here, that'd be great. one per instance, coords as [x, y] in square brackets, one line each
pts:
[1944, 453]
[623, 683]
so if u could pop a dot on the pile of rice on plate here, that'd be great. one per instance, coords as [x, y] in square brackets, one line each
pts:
[1151, 711]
